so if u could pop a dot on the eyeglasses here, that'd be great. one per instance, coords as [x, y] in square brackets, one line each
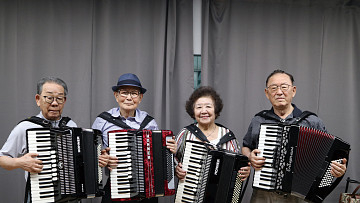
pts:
[133, 94]
[50, 99]
[283, 88]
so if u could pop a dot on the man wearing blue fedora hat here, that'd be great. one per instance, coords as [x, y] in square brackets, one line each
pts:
[128, 93]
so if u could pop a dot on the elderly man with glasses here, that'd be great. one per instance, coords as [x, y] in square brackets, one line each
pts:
[128, 93]
[51, 98]
[280, 91]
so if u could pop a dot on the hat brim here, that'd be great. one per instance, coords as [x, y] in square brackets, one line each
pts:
[115, 88]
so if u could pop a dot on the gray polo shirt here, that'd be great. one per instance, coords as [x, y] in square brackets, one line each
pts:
[15, 146]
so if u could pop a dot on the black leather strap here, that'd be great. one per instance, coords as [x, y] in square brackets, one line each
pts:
[107, 116]
[46, 123]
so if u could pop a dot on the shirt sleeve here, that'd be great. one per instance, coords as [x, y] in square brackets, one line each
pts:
[247, 140]
[72, 124]
[233, 146]
[180, 144]
[15, 145]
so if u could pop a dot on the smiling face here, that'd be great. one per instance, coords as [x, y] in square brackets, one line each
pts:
[204, 111]
[279, 98]
[127, 99]
[51, 111]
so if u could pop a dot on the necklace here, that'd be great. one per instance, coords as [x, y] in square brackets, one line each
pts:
[211, 132]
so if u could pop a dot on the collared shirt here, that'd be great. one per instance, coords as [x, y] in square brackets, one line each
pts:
[134, 122]
[15, 146]
[252, 135]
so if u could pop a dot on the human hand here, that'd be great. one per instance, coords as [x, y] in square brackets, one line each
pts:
[338, 169]
[104, 157]
[179, 172]
[244, 172]
[171, 145]
[30, 163]
[113, 162]
[256, 161]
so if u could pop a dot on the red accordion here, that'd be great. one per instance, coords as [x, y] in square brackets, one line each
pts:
[145, 167]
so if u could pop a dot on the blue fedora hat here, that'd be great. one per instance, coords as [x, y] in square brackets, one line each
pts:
[129, 79]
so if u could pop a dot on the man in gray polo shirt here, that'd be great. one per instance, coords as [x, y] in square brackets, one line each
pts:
[280, 91]
[51, 98]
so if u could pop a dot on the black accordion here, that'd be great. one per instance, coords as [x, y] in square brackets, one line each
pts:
[298, 160]
[145, 166]
[71, 168]
[212, 175]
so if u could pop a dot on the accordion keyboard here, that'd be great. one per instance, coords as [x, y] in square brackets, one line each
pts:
[43, 184]
[195, 155]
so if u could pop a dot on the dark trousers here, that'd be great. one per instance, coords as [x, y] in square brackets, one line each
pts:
[107, 197]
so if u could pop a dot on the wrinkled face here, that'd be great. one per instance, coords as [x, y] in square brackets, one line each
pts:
[51, 100]
[128, 98]
[280, 91]
[204, 111]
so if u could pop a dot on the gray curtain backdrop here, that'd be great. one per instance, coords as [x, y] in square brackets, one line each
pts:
[316, 41]
[89, 44]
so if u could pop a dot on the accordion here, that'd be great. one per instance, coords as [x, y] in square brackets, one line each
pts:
[71, 168]
[212, 175]
[145, 166]
[298, 160]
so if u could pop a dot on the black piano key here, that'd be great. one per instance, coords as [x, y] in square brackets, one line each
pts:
[191, 173]
[267, 172]
[194, 170]
[191, 178]
[198, 153]
[46, 196]
[195, 162]
[46, 182]
[266, 179]
[268, 157]
[46, 186]
[188, 192]
[266, 175]
[271, 155]
[272, 145]
[268, 185]
[45, 192]
[45, 179]
[190, 199]
[270, 140]
[190, 181]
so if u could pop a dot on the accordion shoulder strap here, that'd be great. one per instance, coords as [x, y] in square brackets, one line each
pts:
[226, 138]
[146, 121]
[200, 135]
[304, 115]
[107, 116]
[46, 123]
[197, 132]
[64, 121]
[266, 114]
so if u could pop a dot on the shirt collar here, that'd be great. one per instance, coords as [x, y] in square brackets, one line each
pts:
[294, 114]
[137, 115]
[53, 123]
